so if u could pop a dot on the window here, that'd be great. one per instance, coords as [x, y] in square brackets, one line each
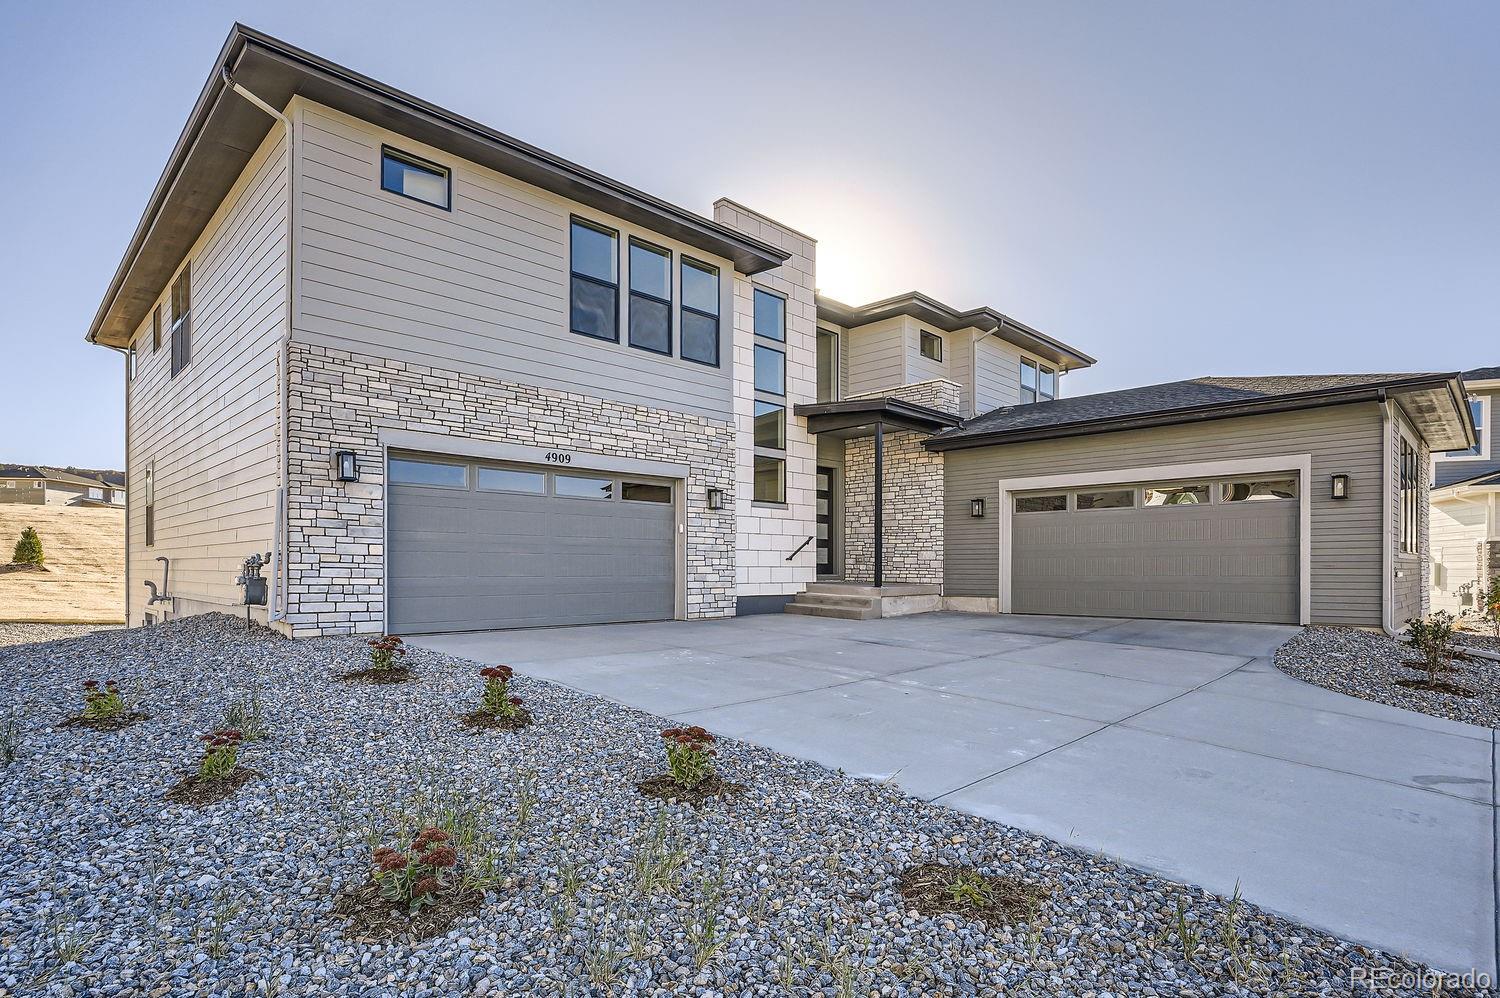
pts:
[39, 484]
[10, 485]
[595, 303]
[584, 488]
[156, 329]
[770, 479]
[1038, 381]
[931, 345]
[1265, 490]
[645, 492]
[96, 494]
[1175, 495]
[650, 298]
[408, 472]
[770, 316]
[1411, 494]
[770, 370]
[415, 178]
[770, 425]
[150, 503]
[1041, 504]
[1479, 410]
[510, 480]
[828, 366]
[182, 320]
[1110, 499]
[700, 312]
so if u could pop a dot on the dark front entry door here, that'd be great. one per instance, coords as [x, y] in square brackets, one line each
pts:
[827, 541]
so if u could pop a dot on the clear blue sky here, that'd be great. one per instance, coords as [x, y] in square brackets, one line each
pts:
[1177, 188]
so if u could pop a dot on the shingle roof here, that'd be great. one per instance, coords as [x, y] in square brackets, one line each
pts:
[1483, 374]
[1487, 478]
[59, 475]
[1174, 396]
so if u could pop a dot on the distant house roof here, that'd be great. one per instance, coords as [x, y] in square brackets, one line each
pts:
[75, 476]
[1215, 397]
[1483, 374]
[1486, 480]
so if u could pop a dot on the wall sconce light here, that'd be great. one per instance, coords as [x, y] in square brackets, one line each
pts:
[976, 507]
[1340, 486]
[715, 498]
[345, 466]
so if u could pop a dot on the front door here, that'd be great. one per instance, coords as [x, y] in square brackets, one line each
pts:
[827, 525]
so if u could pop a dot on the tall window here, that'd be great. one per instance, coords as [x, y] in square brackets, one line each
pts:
[150, 504]
[770, 398]
[595, 306]
[828, 365]
[156, 329]
[415, 178]
[650, 297]
[182, 320]
[1479, 411]
[700, 312]
[1038, 381]
[1411, 495]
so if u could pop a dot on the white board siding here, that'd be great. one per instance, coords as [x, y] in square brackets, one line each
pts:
[482, 288]
[1457, 531]
[877, 355]
[211, 432]
[919, 368]
[997, 374]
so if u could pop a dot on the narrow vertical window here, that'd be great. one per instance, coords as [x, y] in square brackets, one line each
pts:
[1046, 383]
[770, 414]
[828, 366]
[156, 329]
[1028, 382]
[650, 297]
[182, 320]
[1411, 508]
[700, 312]
[150, 504]
[595, 292]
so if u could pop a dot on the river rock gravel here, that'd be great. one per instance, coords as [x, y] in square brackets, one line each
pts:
[18, 634]
[790, 887]
[1368, 665]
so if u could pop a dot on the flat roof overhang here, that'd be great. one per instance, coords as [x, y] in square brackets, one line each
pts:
[1435, 406]
[224, 130]
[934, 313]
[857, 417]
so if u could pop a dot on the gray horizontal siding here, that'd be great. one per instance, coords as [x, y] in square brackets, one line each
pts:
[481, 289]
[1346, 536]
[877, 356]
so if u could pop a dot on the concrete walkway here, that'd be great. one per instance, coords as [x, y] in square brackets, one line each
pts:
[1174, 747]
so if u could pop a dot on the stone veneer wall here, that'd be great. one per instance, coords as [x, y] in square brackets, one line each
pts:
[939, 393]
[913, 507]
[341, 401]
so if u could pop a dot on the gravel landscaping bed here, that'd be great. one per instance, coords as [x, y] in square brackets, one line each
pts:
[20, 634]
[1477, 639]
[793, 885]
[1371, 666]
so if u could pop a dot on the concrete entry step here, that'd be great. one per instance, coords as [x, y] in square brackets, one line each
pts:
[858, 602]
[866, 612]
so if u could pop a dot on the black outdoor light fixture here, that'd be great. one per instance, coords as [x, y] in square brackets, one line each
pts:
[1340, 486]
[715, 498]
[976, 507]
[345, 466]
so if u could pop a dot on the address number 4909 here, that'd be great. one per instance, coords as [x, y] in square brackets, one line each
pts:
[558, 457]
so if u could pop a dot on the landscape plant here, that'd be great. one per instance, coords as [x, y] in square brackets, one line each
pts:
[247, 716]
[102, 703]
[1434, 639]
[690, 755]
[420, 874]
[497, 700]
[385, 653]
[220, 754]
[29, 549]
[1489, 606]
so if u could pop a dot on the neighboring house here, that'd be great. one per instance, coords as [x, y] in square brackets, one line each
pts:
[38, 485]
[1466, 504]
[450, 381]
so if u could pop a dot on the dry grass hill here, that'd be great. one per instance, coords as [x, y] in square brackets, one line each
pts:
[85, 578]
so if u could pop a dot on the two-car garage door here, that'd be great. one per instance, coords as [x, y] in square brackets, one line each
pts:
[475, 545]
[1196, 550]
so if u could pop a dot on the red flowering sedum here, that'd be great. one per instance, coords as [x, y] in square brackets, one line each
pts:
[419, 875]
[221, 753]
[384, 651]
[102, 704]
[497, 700]
[690, 755]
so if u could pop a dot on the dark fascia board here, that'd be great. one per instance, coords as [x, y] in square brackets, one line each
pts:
[1219, 410]
[223, 132]
[858, 411]
[929, 310]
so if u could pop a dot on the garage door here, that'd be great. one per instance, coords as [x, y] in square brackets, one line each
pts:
[1208, 550]
[474, 546]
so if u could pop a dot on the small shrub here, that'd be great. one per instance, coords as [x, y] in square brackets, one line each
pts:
[497, 699]
[1489, 606]
[102, 703]
[247, 716]
[969, 888]
[419, 875]
[220, 755]
[385, 653]
[1433, 637]
[29, 549]
[690, 755]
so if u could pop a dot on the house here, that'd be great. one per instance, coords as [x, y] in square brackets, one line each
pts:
[450, 381]
[1466, 504]
[37, 485]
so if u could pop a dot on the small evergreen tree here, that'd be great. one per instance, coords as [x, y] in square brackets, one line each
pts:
[29, 549]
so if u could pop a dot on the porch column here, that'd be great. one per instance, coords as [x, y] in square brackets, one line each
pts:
[879, 500]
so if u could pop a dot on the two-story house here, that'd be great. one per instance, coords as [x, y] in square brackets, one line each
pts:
[1466, 504]
[450, 381]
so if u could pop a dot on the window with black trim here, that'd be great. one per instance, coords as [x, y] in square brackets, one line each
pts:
[150, 503]
[770, 316]
[1411, 499]
[595, 293]
[182, 320]
[650, 297]
[770, 412]
[770, 425]
[404, 174]
[930, 345]
[700, 312]
[770, 479]
[156, 329]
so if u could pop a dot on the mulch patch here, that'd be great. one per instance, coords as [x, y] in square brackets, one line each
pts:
[483, 720]
[663, 787]
[104, 723]
[1437, 687]
[927, 888]
[13, 567]
[372, 915]
[196, 792]
[379, 677]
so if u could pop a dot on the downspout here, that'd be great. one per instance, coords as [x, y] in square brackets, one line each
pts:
[129, 384]
[279, 580]
[1387, 521]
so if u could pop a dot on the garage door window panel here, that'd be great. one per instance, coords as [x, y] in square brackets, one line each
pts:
[1193, 494]
[512, 480]
[571, 487]
[645, 492]
[1259, 490]
[404, 471]
[1107, 499]
[1042, 504]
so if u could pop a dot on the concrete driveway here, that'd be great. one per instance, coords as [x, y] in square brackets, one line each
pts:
[1174, 747]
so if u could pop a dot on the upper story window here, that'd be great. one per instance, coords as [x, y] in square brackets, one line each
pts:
[1479, 409]
[930, 345]
[1411, 508]
[769, 483]
[1038, 381]
[828, 365]
[770, 316]
[700, 312]
[182, 320]
[156, 329]
[595, 291]
[650, 297]
[415, 178]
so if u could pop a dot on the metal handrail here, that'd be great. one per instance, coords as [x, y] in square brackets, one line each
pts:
[800, 547]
